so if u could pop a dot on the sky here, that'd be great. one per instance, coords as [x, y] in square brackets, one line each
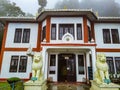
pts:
[31, 6]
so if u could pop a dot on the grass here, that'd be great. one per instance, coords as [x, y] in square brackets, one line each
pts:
[4, 86]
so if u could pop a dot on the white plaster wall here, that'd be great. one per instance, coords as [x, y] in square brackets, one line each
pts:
[67, 20]
[99, 34]
[43, 23]
[11, 32]
[88, 23]
[110, 54]
[6, 66]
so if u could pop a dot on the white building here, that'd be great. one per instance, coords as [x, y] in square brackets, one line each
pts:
[69, 40]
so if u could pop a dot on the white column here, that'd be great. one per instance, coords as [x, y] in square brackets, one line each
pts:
[93, 60]
[44, 61]
[57, 31]
[87, 61]
[46, 65]
[75, 31]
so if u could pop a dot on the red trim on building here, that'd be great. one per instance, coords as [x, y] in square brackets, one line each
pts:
[48, 21]
[68, 44]
[85, 29]
[92, 30]
[3, 44]
[39, 37]
[107, 50]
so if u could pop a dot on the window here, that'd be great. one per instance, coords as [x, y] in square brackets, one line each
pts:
[64, 28]
[79, 32]
[26, 36]
[110, 64]
[14, 63]
[18, 35]
[81, 64]
[18, 63]
[52, 64]
[117, 64]
[53, 32]
[22, 34]
[23, 64]
[115, 35]
[89, 34]
[43, 34]
[111, 36]
[52, 60]
[106, 36]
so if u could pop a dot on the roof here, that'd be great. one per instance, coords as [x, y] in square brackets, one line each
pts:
[19, 19]
[62, 12]
[108, 19]
[66, 12]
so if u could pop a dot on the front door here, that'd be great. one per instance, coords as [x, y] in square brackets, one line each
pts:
[66, 68]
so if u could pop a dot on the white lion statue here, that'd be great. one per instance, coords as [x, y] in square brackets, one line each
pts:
[37, 66]
[101, 74]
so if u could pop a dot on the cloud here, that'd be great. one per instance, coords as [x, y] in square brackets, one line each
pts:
[103, 7]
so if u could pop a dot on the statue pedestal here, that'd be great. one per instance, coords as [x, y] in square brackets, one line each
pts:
[111, 86]
[36, 85]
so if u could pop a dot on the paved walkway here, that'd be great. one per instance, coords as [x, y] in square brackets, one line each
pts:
[67, 86]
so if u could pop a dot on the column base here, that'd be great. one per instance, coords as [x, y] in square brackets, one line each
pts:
[111, 86]
[36, 85]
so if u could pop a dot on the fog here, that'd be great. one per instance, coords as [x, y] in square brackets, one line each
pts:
[102, 7]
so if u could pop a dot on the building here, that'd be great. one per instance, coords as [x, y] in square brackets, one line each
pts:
[69, 40]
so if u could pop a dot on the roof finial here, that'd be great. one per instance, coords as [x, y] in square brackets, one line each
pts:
[65, 7]
[97, 13]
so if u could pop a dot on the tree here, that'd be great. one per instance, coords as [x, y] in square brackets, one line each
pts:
[8, 9]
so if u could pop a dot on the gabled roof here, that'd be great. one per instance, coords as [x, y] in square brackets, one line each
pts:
[66, 12]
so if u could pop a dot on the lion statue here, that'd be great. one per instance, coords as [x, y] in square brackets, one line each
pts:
[101, 74]
[37, 66]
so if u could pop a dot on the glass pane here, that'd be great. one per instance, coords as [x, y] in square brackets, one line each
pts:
[64, 28]
[52, 60]
[26, 36]
[43, 34]
[115, 35]
[23, 64]
[106, 36]
[117, 64]
[110, 64]
[80, 64]
[79, 32]
[53, 32]
[14, 63]
[18, 35]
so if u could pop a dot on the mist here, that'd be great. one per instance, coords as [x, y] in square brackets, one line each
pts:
[108, 8]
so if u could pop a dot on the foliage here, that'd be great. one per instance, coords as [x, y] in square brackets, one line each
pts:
[1, 34]
[13, 80]
[10, 9]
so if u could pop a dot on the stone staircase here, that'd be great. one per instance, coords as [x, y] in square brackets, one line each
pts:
[67, 86]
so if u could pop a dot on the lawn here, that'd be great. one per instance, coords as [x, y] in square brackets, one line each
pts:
[4, 86]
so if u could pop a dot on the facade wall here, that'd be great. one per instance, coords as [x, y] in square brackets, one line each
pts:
[5, 70]
[99, 35]
[11, 33]
[58, 46]
[67, 20]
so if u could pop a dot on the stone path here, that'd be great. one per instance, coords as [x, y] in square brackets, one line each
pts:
[66, 86]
